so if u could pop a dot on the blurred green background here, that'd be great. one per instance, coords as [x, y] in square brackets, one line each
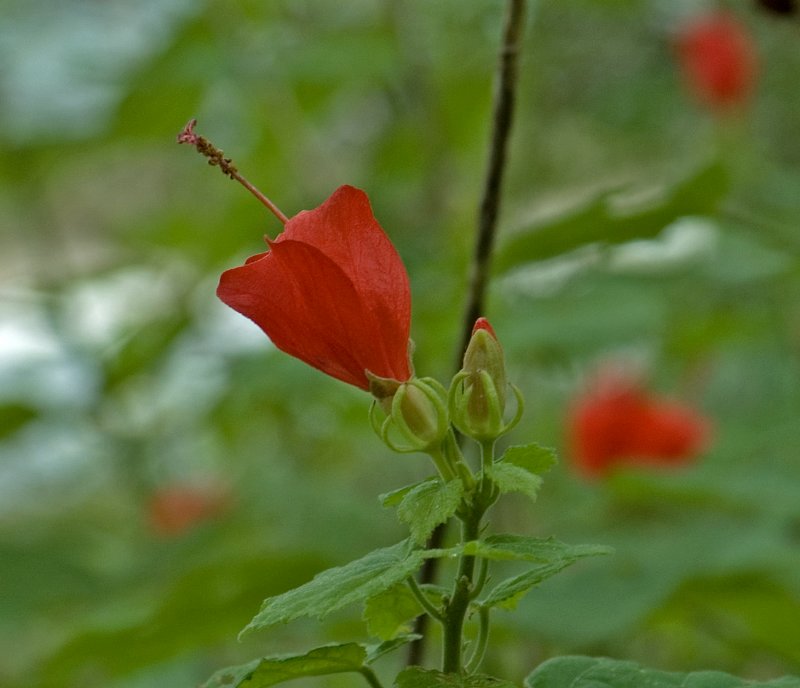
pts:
[121, 376]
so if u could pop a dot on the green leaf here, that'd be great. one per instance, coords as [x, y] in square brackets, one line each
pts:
[602, 221]
[416, 677]
[394, 497]
[524, 548]
[590, 672]
[532, 457]
[427, 505]
[330, 659]
[388, 613]
[337, 587]
[510, 478]
[551, 555]
[375, 652]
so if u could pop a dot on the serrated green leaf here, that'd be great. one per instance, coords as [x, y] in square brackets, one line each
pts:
[429, 504]
[524, 548]
[551, 555]
[330, 659]
[416, 677]
[394, 497]
[337, 587]
[532, 457]
[388, 613]
[510, 478]
[591, 672]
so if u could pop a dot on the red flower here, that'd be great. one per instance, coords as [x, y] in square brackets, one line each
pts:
[176, 509]
[719, 60]
[619, 423]
[331, 291]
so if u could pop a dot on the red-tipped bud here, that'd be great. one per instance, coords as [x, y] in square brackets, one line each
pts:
[477, 396]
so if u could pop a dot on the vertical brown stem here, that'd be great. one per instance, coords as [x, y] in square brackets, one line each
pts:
[502, 117]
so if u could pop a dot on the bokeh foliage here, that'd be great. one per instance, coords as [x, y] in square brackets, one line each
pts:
[121, 373]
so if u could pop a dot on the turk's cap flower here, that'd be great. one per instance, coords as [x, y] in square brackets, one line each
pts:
[617, 422]
[477, 397]
[718, 59]
[331, 291]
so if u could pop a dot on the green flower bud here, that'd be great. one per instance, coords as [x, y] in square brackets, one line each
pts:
[477, 395]
[415, 417]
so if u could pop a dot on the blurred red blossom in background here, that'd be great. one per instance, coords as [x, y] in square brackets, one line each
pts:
[331, 291]
[616, 421]
[175, 509]
[718, 58]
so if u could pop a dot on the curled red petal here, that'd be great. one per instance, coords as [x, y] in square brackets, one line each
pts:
[331, 291]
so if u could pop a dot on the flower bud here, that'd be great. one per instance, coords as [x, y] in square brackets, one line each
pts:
[478, 392]
[416, 417]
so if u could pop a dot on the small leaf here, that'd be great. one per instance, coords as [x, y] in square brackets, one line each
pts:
[510, 478]
[532, 457]
[375, 652]
[551, 555]
[524, 548]
[394, 497]
[388, 613]
[330, 659]
[429, 504]
[337, 587]
[416, 677]
[590, 672]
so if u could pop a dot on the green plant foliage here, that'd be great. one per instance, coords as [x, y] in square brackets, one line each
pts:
[331, 659]
[429, 504]
[335, 588]
[590, 672]
[415, 677]
[388, 613]
[532, 457]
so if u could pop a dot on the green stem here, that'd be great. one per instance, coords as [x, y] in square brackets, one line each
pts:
[370, 677]
[456, 609]
[422, 598]
[483, 640]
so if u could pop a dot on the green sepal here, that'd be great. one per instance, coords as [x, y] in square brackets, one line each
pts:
[590, 672]
[417, 677]
[429, 504]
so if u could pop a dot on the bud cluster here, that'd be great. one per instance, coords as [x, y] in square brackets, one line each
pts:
[419, 415]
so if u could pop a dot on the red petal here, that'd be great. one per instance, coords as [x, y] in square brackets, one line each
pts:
[332, 291]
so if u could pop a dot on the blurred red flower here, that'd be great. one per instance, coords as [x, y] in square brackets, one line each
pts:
[617, 422]
[719, 59]
[176, 509]
[331, 291]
